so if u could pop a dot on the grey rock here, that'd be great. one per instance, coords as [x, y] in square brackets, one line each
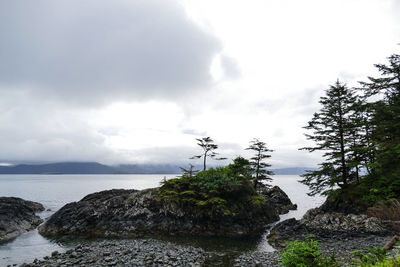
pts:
[277, 198]
[327, 225]
[132, 213]
[17, 216]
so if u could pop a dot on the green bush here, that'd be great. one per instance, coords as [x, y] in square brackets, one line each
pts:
[304, 254]
[371, 256]
[223, 190]
[395, 262]
[374, 257]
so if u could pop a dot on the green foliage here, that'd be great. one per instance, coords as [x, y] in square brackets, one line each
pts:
[359, 133]
[208, 146]
[370, 257]
[385, 122]
[257, 162]
[374, 257]
[332, 131]
[258, 200]
[304, 254]
[395, 262]
[222, 191]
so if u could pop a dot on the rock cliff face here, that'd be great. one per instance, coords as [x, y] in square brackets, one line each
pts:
[323, 224]
[277, 198]
[128, 213]
[17, 216]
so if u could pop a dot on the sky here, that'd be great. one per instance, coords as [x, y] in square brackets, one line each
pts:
[137, 81]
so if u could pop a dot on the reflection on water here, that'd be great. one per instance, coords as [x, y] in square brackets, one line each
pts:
[27, 247]
[54, 191]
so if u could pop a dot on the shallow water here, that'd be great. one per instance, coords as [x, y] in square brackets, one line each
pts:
[54, 191]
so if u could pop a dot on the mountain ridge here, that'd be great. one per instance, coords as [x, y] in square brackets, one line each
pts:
[98, 168]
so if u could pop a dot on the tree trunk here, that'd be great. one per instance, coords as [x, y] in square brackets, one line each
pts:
[204, 161]
[390, 244]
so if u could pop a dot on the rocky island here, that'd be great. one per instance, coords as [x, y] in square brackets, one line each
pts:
[17, 216]
[133, 213]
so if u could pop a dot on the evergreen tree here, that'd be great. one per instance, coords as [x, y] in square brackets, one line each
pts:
[386, 120]
[258, 161]
[362, 154]
[190, 172]
[241, 168]
[208, 146]
[333, 132]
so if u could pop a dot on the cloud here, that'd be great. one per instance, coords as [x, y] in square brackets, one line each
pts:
[230, 67]
[96, 51]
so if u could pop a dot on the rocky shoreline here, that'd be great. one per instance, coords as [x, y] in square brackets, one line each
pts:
[327, 226]
[17, 216]
[114, 213]
[152, 252]
[147, 252]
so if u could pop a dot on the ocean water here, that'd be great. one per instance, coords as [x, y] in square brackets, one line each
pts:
[54, 191]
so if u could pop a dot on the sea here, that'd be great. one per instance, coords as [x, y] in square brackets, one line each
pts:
[54, 191]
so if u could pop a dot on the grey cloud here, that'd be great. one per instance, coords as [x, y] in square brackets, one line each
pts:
[194, 132]
[43, 132]
[230, 67]
[95, 50]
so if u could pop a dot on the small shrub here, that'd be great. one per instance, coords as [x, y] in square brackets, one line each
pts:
[304, 254]
[370, 257]
[258, 200]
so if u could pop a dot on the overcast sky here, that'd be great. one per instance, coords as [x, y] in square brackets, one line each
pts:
[136, 81]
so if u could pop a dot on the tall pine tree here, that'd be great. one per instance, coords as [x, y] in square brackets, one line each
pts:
[332, 130]
[259, 166]
[386, 121]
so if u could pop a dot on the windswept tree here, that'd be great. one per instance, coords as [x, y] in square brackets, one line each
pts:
[332, 130]
[260, 173]
[208, 146]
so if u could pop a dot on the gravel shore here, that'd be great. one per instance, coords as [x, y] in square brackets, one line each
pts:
[152, 252]
[148, 252]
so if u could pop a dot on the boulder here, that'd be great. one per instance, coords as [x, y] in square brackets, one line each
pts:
[277, 198]
[132, 213]
[17, 216]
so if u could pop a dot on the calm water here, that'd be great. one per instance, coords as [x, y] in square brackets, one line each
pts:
[54, 191]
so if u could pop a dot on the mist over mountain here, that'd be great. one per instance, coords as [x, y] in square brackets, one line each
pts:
[98, 168]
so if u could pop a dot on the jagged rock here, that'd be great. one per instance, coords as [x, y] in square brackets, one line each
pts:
[342, 205]
[277, 198]
[340, 222]
[285, 231]
[129, 213]
[331, 225]
[17, 216]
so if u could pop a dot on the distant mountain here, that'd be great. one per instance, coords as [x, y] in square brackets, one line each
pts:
[148, 169]
[97, 168]
[292, 171]
[59, 168]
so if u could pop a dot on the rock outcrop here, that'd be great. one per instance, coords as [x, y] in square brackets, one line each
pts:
[277, 198]
[17, 216]
[130, 213]
[332, 225]
[328, 222]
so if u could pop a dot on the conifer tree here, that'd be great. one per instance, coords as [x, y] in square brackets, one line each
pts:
[208, 146]
[258, 161]
[189, 172]
[332, 131]
[386, 120]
